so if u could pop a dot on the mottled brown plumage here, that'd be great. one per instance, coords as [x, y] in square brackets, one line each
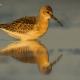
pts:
[33, 27]
[22, 25]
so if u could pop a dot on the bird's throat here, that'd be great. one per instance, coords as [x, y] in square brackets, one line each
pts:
[43, 24]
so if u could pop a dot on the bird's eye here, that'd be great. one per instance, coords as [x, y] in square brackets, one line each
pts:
[48, 12]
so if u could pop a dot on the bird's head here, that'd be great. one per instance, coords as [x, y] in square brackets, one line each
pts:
[47, 12]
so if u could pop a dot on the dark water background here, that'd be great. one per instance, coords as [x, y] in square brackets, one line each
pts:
[58, 40]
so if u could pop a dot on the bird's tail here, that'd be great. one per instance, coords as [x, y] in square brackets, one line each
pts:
[3, 25]
[1, 52]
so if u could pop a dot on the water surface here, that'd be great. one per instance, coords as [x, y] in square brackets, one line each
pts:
[58, 40]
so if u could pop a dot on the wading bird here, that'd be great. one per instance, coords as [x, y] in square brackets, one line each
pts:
[30, 27]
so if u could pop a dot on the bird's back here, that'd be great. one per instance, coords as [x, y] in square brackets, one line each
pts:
[22, 25]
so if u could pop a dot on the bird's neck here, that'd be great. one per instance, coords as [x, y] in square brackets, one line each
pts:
[43, 23]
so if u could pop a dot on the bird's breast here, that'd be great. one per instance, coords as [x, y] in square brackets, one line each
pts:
[43, 27]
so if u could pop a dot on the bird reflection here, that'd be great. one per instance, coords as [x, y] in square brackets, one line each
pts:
[30, 52]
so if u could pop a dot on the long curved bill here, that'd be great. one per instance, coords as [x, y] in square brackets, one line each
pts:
[57, 20]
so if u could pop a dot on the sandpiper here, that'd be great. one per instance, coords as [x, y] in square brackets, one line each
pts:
[32, 52]
[29, 28]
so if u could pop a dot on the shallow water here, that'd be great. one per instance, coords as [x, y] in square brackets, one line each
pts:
[58, 40]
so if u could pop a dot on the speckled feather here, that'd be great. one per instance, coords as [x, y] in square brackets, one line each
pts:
[22, 25]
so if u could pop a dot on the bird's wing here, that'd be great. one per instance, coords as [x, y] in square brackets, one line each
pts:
[21, 25]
